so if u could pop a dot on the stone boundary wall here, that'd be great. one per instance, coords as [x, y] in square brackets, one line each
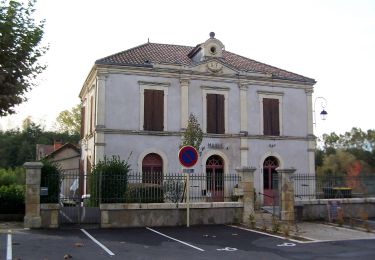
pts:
[317, 209]
[169, 214]
[49, 214]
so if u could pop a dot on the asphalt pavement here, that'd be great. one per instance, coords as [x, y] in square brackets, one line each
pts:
[196, 242]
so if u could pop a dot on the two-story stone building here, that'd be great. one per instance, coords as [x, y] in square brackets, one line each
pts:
[252, 114]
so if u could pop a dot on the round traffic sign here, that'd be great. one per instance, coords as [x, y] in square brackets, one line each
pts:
[188, 156]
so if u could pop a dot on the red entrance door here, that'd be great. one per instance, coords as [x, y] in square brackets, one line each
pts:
[152, 169]
[270, 181]
[215, 178]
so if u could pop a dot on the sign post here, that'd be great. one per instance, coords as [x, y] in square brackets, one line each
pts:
[188, 157]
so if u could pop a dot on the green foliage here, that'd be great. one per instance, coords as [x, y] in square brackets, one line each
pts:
[12, 199]
[12, 176]
[70, 121]
[174, 190]
[18, 147]
[50, 177]
[109, 180]
[145, 193]
[340, 153]
[20, 38]
[193, 135]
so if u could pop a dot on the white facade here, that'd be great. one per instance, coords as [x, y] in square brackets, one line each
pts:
[117, 114]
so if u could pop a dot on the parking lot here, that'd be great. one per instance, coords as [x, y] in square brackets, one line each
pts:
[197, 242]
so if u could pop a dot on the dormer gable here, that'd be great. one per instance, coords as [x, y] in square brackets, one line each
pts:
[212, 48]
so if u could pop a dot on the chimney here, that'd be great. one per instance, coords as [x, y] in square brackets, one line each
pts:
[56, 145]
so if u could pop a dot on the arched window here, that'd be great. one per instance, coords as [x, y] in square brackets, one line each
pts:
[215, 177]
[152, 169]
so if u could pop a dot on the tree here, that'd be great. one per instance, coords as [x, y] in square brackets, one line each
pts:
[20, 37]
[193, 135]
[70, 121]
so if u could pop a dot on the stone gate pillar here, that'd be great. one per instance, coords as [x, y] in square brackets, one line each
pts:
[286, 193]
[32, 195]
[247, 185]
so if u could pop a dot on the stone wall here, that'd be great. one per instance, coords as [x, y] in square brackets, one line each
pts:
[317, 209]
[169, 214]
[49, 214]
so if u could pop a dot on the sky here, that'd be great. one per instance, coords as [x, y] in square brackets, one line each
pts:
[330, 41]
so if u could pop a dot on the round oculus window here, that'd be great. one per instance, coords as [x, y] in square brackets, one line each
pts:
[213, 49]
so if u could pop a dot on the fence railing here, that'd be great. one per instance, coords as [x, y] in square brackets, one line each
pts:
[93, 189]
[158, 188]
[311, 186]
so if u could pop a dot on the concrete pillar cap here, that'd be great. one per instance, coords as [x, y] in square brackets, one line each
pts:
[33, 165]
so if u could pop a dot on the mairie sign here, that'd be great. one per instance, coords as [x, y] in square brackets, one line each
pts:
[188, 156]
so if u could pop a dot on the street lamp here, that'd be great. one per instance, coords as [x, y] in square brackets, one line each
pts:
[323, 113]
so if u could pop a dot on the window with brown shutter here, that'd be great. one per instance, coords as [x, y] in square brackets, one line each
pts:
[153, 110]
[271, 122]
[215, 114]
[82, 122]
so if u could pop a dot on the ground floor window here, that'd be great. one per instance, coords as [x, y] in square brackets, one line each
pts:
[152, 169]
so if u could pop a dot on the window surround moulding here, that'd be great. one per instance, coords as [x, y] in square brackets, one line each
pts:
[215, 88]
[163, 86]
[269, 93]
[154, 84]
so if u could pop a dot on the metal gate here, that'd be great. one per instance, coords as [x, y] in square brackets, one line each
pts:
[77, 207]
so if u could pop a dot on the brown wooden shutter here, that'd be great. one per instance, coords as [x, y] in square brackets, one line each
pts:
[271, 122]
[275, 117]
[158, 110]
[211, 113]
[220, 119]
[147, 115]
[82, 122]
[267, 116]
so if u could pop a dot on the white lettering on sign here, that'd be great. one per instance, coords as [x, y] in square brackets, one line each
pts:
[230, 249]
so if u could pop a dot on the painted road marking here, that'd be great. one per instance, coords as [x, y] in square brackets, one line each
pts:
[263, 233]
[182, 242]
[9, 246]
[97, 242]
[287, 244]
[230, 249]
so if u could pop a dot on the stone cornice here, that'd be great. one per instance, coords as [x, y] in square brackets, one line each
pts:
[178, 133]
[181, 72]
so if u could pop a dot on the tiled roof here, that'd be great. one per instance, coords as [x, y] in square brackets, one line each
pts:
[148, 53]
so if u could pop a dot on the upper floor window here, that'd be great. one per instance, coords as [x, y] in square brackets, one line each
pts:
[153, 106]
[153, 110]
[271, 124]
[215, 109]
[271, 111]
[215, 114]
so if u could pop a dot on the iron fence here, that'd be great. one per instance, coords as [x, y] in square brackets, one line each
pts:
[73, 188]
[159, 188]
[311, 186]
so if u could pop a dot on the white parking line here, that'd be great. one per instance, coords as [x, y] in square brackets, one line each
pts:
[267, 234]
[182, 242]
[9, 246]
[97, 242]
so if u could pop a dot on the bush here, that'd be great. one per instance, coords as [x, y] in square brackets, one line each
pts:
[12, 176]
[145, 193]
[109, 180]
[12, 199]
[50, 178]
